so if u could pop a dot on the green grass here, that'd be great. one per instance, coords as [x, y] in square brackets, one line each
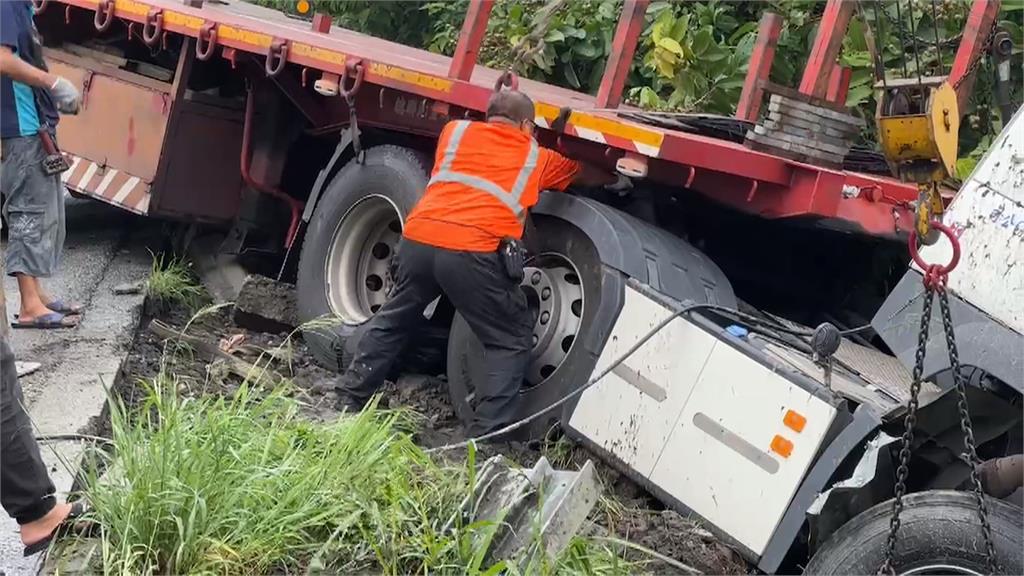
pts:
[243, 485]
[172, 282]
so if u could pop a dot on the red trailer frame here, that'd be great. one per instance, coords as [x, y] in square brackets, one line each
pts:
[727, 172]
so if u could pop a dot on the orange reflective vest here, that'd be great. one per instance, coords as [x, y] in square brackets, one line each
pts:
[485, 178]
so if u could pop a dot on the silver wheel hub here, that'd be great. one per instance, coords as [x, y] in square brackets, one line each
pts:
[555, 294]
[358, 269]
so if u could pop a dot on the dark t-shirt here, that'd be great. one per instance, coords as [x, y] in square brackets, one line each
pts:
[23, 109]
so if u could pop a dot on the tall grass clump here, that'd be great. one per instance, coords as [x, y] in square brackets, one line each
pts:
[171, 282]
[243, 485]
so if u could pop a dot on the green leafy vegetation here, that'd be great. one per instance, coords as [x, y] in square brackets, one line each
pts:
[693, 56]
[244, 485]
[171, 281]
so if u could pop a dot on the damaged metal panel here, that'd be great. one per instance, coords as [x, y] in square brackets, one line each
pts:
[988, 215]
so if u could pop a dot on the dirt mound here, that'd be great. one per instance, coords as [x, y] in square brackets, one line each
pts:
[625, 512]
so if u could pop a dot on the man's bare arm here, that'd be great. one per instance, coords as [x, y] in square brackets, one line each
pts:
[17, 69]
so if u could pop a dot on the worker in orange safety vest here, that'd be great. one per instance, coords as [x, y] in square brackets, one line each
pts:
[462, 239]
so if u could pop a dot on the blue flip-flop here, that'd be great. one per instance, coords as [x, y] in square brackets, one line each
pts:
[51, 321]
[64, 308]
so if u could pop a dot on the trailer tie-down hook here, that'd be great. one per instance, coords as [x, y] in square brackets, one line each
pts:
[356, 71]
[206, 41]
[508, 79]
[153, 29]
[39, 5]
[104, 15]
[277, 57]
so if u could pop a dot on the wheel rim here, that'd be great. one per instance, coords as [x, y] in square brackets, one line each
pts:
[358, 274]
[940, 569]
[554, 292]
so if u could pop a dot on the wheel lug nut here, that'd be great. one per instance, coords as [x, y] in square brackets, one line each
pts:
[535, 278]
[545, 294]
[535, 339]
[544, 317]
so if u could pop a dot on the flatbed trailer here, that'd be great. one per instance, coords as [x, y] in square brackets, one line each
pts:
[727, 172]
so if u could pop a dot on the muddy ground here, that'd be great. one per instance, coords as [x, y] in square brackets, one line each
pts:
[626, 512]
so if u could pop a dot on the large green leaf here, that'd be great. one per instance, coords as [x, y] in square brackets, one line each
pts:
[671, 45]
[701, 40]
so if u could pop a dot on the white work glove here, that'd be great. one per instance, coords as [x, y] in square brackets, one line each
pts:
[65, 96]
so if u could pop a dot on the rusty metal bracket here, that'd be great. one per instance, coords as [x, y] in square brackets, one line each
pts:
[277, 57]
[153, 29]
[207, 35]
[104, 15]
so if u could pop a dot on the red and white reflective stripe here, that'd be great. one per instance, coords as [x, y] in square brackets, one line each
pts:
[602, 138]
[107, 184]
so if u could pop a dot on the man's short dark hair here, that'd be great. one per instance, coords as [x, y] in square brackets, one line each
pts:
[512, 105]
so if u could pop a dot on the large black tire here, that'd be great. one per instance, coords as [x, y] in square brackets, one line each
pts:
[938, 528]
[396, 174]
[466, 361]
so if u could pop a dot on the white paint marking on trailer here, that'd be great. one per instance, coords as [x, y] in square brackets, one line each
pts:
[647, 149]
[67, 173]
[125, 190]
[143, 206]
[90, 171]
[105, 183]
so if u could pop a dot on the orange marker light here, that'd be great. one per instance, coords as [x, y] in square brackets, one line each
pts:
[781, 446]
[794, 421]
[302, 6]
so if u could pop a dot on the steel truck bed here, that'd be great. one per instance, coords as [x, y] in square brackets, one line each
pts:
[727, 172]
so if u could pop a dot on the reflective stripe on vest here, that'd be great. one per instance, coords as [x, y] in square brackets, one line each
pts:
[508, 198]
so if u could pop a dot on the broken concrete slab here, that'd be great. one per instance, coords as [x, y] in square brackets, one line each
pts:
[538, 510]
[266, 305]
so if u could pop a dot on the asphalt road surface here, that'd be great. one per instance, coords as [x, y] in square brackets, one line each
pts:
[105, 247]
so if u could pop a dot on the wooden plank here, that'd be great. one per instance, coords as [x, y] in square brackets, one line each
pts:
[800, 109]
[794, 145]
[812, 129]
[810, 134]
[800, 140]
[836, 129]
[773, 88]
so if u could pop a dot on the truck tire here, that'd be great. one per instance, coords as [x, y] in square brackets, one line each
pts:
[940, 533]
[573, 272]
[344, 269]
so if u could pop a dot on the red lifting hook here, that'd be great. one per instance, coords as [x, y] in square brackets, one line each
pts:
[207, 34]
[354, 70]
[104, 15]
[935, 274]
[508, 79]
[153, 29]
[277, 57]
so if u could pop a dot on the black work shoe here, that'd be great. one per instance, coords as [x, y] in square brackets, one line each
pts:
[347, 403]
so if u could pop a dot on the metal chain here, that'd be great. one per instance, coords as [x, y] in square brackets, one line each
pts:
[981, 54]
[909, 422]
[971, 454]
[947, 43]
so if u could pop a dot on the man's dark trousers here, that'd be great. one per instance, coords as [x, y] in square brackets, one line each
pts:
[481, 291]
[26, 491]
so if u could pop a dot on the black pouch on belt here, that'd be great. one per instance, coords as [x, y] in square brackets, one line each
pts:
[55, 162]
[512, 255]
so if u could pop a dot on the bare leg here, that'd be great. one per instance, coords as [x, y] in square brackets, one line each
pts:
[32, 305]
